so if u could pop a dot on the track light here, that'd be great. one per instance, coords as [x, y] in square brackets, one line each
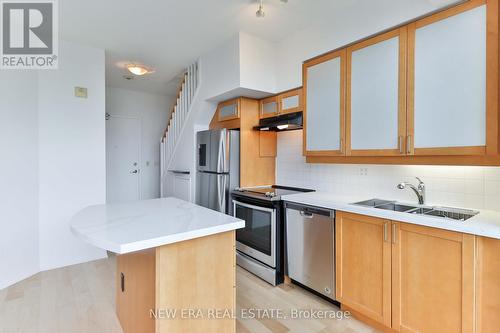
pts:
[260, 12]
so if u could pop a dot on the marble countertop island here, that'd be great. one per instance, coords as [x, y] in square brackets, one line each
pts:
[139, 225]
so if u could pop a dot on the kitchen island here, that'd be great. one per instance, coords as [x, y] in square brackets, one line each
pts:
[175, 264]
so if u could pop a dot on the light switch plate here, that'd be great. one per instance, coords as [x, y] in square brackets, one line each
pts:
[81, 92]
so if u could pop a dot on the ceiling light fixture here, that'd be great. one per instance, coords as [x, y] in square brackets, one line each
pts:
[260, 12]
[139, 69]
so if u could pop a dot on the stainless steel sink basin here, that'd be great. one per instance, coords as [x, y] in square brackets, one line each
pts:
[421, 210]
[373, 202]
[457, 214]
[396, 207]
[452, 213]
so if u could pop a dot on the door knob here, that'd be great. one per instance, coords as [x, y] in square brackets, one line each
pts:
[135, 171]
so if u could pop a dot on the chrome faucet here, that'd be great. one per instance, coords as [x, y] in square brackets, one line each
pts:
[419, 190]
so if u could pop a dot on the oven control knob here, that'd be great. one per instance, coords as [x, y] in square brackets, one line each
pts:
[270, 194]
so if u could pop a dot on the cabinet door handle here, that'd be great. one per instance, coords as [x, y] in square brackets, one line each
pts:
[408, 144]
[385, 232]
[122, 282]
[393, 233]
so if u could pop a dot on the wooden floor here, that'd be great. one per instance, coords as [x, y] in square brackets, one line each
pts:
[80, 298]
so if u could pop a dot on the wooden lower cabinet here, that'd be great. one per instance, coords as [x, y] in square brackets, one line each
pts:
[407, 278]
[363, 265]
[488, 285]
[433, 280]
[172, 280]
[135, 290]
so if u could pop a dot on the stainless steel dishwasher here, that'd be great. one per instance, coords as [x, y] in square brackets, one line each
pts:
[310, 247]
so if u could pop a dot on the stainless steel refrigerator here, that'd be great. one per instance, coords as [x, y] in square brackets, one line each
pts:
[217, 168]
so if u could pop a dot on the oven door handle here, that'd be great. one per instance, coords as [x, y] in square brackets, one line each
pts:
[264, 209]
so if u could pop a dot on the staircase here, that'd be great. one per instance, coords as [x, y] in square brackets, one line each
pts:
[178, 117]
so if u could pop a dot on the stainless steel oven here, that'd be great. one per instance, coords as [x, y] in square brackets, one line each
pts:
[258, 238]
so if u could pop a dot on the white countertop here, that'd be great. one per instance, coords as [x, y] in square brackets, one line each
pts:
[486, 223]
[140, 225]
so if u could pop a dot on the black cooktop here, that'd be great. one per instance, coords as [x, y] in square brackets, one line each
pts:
[273, 192]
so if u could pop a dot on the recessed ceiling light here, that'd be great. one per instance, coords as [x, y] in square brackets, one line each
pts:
[139, 69]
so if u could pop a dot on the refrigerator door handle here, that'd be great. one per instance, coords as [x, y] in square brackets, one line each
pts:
[218, 194]
[221, 193]
[221, 154]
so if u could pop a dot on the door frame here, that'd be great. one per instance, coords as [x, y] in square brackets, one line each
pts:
[139, 161]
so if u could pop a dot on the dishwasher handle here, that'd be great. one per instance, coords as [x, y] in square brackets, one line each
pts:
[306, 215]
[309, 211]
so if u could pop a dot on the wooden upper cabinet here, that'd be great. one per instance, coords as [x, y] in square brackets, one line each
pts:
[324, 105]
[229, 110]
[447, 82]
[433, 280]
[376, 95]
[269, 107]
[290, 101]
[287, 102]
[363, 265]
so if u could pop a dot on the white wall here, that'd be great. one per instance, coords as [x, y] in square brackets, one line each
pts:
[257, 63]
[71, 141]
[18, 176]
[460, 186]
[153, 110]
[223, 73]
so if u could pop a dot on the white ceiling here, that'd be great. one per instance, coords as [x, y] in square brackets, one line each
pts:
[169, 35]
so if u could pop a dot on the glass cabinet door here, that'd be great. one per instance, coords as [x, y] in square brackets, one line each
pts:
[447, 91]
[376, 95]
[324, 81]
[291, 101]
[229, 110]
[269, 107]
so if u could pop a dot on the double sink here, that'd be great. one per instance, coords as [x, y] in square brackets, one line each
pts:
[457, 214]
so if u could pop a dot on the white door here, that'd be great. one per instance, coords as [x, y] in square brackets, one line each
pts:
[123, 142]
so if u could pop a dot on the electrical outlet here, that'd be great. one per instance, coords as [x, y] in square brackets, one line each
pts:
[363, 171]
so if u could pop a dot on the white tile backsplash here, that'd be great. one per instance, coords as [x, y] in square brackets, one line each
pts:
[462, 186]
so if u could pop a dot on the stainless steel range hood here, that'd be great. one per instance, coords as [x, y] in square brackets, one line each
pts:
[286, 122]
